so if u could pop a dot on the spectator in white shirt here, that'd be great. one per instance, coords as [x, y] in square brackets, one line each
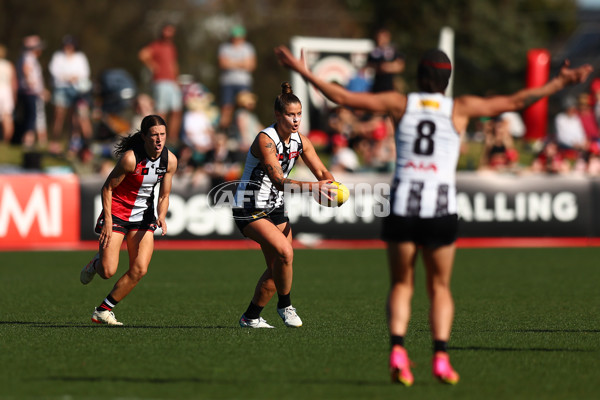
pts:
[70, 72]
[570, 134]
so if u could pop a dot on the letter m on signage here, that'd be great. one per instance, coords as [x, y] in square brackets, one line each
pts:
[43, 206]
[39, 209]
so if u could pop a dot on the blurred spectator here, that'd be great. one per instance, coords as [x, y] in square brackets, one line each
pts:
[361, 81]
[344, 122]
[237, 61]
[222, 164]
[587, 117]
[8, 95]
[550, 160]
[515, 124]
[499, 153]
[384, 147]
[570, 135]
[386, 62]
[70, 71]
[593, 162]
[319, 139]
[198, 130]
[142, 105]
[32, 92]
[160, 56]
[245, 125]
[116, 93]
[189, 172]
[343, 158]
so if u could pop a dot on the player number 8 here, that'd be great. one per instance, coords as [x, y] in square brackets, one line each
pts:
[424, 143]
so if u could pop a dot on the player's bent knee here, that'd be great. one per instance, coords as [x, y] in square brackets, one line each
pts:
[286, 254]
[137, 273]
[106, 272]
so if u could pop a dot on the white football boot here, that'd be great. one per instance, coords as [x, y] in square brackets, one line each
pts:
[289, 317]
[254, 323]
[105, 317]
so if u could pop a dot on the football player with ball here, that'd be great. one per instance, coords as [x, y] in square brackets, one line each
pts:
[423, 214]
[259, 210]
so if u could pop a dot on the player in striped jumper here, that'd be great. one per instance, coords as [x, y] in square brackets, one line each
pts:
[259, 209]
[423, 214]
[128, 211]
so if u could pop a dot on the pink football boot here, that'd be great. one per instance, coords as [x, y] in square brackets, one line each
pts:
[443, 370]
[400, 367]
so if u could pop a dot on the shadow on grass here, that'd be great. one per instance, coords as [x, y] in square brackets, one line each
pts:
[518, 349]
[149, 380]
[556, 330]
[98, 326]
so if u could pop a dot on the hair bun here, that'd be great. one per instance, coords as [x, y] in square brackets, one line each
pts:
[286, 88]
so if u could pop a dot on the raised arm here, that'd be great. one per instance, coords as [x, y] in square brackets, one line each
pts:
[466, 107]
[392, 103]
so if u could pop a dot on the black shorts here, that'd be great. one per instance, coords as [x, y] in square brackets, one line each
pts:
[125, 226]
[428, 232]
[243, 216]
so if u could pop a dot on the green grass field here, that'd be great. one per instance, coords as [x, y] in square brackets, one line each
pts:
[527, 327]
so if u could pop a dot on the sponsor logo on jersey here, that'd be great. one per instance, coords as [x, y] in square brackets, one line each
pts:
[161, 171]
[293, 154]
[430, 104]
[145, 171]
[259, 214]
[420, 166]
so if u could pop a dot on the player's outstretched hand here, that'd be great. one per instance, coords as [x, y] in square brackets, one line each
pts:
[285, 57]
[573, 76]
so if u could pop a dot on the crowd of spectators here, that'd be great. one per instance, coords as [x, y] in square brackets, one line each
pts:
[571, 146]
[211, 138]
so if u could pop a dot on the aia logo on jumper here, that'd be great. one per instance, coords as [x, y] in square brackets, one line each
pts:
[420, 166]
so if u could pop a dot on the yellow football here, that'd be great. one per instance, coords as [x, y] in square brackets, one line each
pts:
[340, 196]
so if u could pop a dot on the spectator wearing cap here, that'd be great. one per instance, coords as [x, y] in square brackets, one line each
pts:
[160, 57]
[32, 92]
[70, 71]
[237, 61]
